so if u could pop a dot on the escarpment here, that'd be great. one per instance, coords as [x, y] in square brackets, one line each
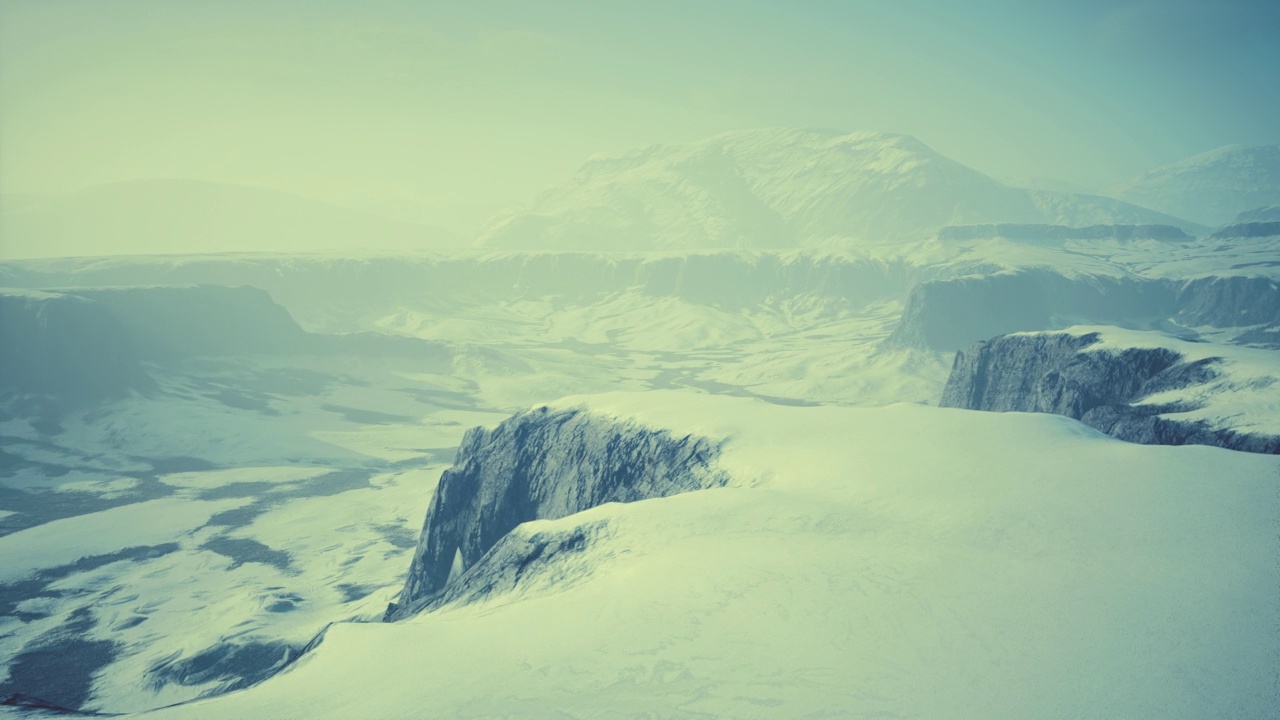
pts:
[544, 464]
[1144, 394]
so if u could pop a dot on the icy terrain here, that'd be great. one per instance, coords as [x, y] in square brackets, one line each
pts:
[1024, 566]
[207, 460]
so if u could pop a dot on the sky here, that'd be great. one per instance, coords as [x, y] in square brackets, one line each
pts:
[445, 113]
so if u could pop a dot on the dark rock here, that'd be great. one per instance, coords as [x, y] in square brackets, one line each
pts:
[544, 464]
[1059, 373]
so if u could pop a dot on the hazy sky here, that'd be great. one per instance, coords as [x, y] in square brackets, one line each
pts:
[446, 112]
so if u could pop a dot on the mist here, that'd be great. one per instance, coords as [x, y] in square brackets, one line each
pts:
[667, 360]
[442, 118]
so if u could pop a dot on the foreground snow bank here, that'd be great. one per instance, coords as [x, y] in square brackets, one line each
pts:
[907, 561]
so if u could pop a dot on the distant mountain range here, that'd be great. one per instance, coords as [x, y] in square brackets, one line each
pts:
[785, 188]
[1211, 188]
[781, 188]
[185, 216]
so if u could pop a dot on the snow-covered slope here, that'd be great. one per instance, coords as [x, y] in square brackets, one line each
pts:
[1138, 386]
[905, 561]
[1211, 188]
[274, 467]
[782, 188]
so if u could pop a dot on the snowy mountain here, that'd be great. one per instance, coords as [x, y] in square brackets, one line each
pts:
[731, 525]
[779, 189]
[184, 216]
[1211, 188]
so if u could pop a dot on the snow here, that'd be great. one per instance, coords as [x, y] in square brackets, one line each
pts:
[210, 479]
[902, 560]
[61, 542]
[905, 561]
[780, 188]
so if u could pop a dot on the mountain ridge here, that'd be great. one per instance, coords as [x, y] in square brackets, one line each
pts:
[775, 188]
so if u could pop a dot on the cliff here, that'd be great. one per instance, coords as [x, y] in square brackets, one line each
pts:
[543, 464]
[1144, 393]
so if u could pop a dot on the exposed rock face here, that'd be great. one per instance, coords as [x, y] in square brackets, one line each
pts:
[1047, 372]
[1049, 234]
[543, 464]
[1064, 374]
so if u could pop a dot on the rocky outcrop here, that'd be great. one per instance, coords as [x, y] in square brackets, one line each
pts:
[1057, 234]
[543, 464]
[1072, 375]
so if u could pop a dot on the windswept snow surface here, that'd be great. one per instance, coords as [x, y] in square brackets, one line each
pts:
[905, 561]
[162, 548]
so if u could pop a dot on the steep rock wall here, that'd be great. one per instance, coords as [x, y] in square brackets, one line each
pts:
[543, 464]
[1064, 374]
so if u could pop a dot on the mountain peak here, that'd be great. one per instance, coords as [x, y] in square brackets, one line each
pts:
[1212, 187]
[781, 187]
